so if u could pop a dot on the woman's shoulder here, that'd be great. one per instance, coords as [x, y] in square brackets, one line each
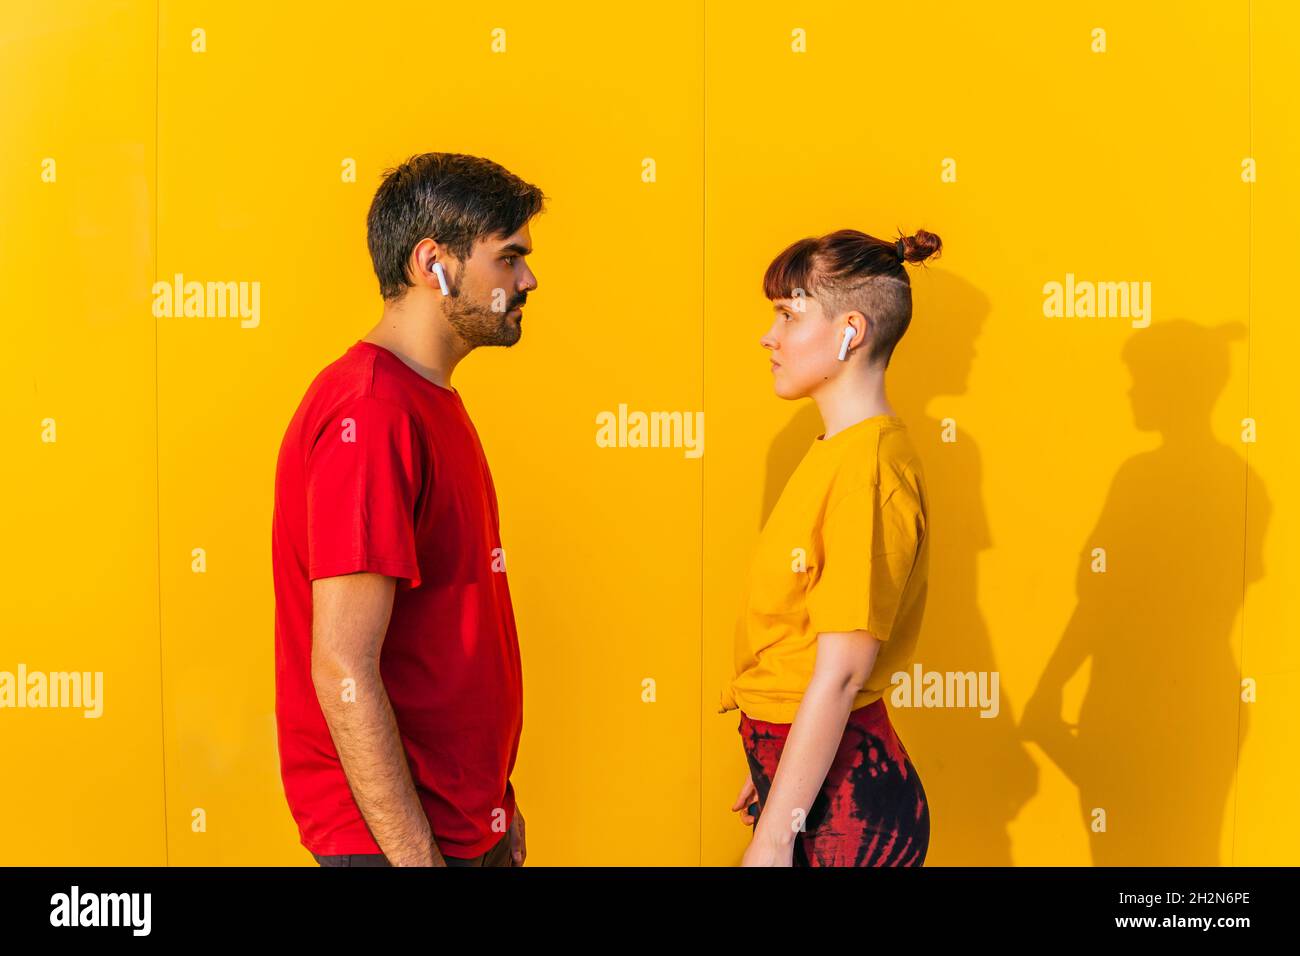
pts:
[896, 455]
[883, 458]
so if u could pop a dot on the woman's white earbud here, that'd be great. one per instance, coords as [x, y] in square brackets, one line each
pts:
[844, 348]
[442, 278]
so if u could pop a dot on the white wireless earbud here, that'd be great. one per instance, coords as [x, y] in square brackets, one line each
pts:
[442, 278]
[844, 348]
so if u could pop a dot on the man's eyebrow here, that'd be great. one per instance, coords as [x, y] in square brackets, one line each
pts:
[517, 249]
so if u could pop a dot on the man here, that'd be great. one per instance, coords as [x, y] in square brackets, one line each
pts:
[398, 687]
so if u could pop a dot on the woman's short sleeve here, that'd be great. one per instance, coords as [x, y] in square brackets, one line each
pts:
[868, 549]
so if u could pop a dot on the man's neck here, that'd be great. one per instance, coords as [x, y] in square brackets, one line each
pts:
[423, 341]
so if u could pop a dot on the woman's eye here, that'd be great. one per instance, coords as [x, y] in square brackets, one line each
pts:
[787, 316]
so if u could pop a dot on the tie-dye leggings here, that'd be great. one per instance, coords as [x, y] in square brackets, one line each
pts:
[871, 810]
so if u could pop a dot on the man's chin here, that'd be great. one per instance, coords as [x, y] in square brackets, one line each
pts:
[508, 337]
[504, 335]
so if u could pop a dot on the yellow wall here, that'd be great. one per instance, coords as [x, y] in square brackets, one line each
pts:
[1043, 438]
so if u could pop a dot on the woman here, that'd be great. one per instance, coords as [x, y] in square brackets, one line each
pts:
[836, 592]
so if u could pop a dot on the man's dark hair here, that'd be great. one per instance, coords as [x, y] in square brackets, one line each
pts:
[450, 197]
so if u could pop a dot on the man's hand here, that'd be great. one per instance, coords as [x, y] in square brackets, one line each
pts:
[517, 848]
[350, 615]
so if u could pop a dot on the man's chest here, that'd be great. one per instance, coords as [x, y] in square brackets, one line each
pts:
[456, 524]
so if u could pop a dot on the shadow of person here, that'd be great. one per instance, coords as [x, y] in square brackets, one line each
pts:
[976, 771]
[1160, 583]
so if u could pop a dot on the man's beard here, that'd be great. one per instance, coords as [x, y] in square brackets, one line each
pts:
[478, 324]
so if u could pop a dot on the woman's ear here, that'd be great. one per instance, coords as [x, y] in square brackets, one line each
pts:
[863, 327]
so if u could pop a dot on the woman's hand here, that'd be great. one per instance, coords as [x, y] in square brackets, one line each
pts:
[747, 796]
[764, 851]
[844, 661]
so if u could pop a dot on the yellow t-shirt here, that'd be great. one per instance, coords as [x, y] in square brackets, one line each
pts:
[845, 549]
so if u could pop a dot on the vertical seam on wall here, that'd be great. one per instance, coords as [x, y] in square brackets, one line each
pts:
[1245, 537]
[704, 350]
[157, 436]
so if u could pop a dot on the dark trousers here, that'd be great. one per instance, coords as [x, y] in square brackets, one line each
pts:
[498, 855]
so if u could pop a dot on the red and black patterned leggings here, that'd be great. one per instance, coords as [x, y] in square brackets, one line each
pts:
[871, 811]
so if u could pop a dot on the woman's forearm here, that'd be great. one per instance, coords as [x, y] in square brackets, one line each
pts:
[809, 749]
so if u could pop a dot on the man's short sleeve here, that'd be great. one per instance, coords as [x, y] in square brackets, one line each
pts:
[868, 550]
[364, 476]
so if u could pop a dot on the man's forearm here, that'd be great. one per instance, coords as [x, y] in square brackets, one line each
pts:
[370, 749]
[806, 757]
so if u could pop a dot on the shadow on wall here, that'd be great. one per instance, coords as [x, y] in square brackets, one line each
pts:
[1156, 744]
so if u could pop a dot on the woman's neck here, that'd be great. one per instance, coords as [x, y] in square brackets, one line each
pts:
[850, 398]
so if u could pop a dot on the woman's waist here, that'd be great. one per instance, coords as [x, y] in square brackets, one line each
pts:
[870, 715]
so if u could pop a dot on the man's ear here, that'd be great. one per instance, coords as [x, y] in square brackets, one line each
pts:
[419, 266]
[429, 252]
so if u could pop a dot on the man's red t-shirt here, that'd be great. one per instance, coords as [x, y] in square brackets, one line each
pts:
[382, 470]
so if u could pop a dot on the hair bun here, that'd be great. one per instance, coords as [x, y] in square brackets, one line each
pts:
[921, 246]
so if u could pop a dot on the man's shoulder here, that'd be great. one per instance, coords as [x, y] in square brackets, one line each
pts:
[359, 378]
[348, 387]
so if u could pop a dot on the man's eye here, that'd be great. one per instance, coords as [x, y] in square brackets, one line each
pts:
[509, 260]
